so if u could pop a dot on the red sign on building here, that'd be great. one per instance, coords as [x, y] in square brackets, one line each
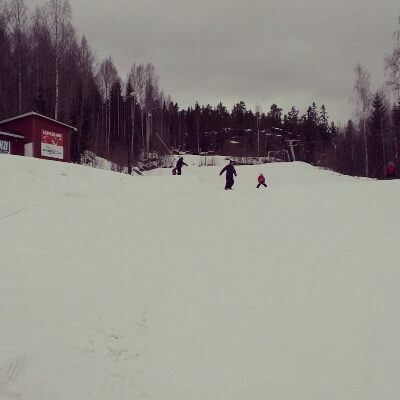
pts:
[52, 144]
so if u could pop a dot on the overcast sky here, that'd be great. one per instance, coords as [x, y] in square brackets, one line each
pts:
[287, 52]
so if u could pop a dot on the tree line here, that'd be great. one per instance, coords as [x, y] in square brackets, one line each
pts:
[46, 68]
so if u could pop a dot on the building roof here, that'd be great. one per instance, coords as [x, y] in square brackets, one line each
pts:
[39, 115]
[5, 132]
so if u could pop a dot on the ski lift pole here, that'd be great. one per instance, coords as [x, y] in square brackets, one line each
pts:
[334, 145]
[291, 143]
[170, 152]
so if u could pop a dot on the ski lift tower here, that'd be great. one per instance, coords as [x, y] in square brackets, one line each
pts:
[292, 143]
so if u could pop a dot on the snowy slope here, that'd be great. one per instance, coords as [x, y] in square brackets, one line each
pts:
[165, 287]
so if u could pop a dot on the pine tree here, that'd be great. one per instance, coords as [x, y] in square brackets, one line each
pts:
[396, 127]
[116, 103]
[274, 117]
[348, 149]
[378, 124]
[309, 135]
[291, 121]
[323, 125]
[80, 117]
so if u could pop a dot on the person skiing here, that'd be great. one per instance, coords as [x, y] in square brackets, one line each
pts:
[390, 170]
[230, 171]
[179, 165]
[261, 181]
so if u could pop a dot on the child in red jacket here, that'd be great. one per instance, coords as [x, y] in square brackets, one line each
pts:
[261, 181]
[390, 170]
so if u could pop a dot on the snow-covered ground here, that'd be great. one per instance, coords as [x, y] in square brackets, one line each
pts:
[168, 287]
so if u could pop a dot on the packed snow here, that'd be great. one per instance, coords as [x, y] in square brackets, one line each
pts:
[169, 287]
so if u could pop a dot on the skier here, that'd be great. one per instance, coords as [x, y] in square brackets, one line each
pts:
[179, 165]
[230, 171]
[261, 181]
[390, 170]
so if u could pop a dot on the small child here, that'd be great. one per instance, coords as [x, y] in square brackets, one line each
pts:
[390, 170]
[261, 181]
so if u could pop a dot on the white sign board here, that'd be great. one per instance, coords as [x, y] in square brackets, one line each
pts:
[52, 144]
[5, 147]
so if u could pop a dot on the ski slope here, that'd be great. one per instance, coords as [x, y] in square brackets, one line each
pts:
[168, 287]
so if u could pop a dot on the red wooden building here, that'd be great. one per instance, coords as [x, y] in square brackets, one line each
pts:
[34, 135]
[11, 143]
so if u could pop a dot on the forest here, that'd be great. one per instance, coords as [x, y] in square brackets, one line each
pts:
[47, 69]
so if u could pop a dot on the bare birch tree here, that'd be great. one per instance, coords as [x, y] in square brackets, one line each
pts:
[258, 115]
[362, 98]
[55, 17]
[145, 86]
[107, 75]
[82, 103]
[151, 93]
[392, 65]
[137, 79]
[18, 24]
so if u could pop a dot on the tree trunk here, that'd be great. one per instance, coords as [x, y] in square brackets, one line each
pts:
[57, 92]
[366, 149]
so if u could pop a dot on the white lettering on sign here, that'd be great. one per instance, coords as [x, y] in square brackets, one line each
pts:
[53, 134]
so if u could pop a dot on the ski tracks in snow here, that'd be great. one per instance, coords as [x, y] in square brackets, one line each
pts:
[121, 349]
[8, 373]
[9, 213]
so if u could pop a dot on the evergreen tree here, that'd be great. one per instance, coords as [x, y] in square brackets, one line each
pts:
[191, 137]
[173, 124]
[378, 129]
[323, 125]
[80, 117]
[347, 149]
[274, 117]
[238, 118]
[116, 105]
[40, 101]
[222, 123]
[309, 135]
[396, 127]
[291, 121]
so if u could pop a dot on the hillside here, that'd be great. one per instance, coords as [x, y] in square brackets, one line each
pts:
[165, 287]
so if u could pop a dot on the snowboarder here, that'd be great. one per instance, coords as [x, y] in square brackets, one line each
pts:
[261, 181]
[230, 171]
[179, 165]
[390, 170]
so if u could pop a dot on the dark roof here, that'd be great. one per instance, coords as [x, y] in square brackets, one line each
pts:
[39, 115]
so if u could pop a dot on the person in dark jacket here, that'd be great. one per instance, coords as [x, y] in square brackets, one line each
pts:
[179, 166]
[230, 171]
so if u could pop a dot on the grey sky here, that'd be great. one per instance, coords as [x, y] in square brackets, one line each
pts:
[287, 52]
